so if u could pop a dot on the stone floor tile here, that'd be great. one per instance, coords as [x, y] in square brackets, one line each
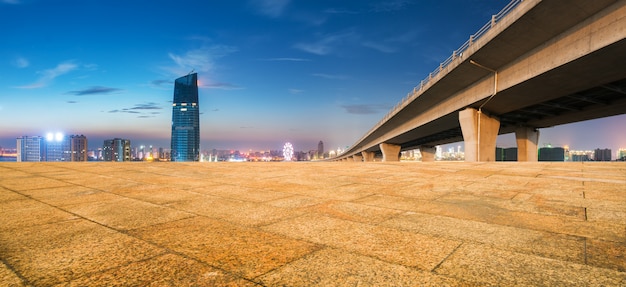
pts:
[8, 277]
[235, 211]
[425, 190]
[606, 192]
[493, 267]
[125, 213]
[164, 270]
[23, 213]
[541, 243]
[20, 184]
[238, 192]
[333, 267]
[100, 182]
[607, 254]
[296, 201]
[353, 211]
[393, 202]
[303, 223]
[242, 251]
[9, 195]
[154, 193]
[391, 245]
[68, 195]
[58, 252]
[8, 173]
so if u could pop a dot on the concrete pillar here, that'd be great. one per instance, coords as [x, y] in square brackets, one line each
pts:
[357, 158]
[368, 155]
[480, 132]
[428, 153]
[391, 152]
[527, 139]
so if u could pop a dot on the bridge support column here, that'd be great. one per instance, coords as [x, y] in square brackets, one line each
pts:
[480, 132]
[357, 158]
[527, 139]
[367, 155]
[428, 153]
[391, 152]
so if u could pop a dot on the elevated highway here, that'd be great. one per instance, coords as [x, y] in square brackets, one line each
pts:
[536, 64]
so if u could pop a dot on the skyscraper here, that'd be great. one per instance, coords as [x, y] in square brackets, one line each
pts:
[320, 149]
[186, 119]
[30, 148]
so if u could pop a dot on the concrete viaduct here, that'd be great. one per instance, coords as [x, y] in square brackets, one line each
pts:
[536, 64]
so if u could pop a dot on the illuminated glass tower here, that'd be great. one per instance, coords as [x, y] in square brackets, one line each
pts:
[186, 119]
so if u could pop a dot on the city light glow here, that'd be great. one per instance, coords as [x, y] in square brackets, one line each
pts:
[288, 151]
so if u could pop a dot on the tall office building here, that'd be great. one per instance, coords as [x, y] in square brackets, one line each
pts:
[116, 150]
[186, 119]
[320, 149]
[78, 148]
[30, 148]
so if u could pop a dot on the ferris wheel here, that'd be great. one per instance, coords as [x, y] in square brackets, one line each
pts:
[288, 151]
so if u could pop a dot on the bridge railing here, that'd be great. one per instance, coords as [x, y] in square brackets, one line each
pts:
[455, 54]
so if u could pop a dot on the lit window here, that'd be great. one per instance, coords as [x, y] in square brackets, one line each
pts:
[183, 104]
[183, 109]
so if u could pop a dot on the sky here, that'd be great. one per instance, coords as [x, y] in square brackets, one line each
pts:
[270, 71]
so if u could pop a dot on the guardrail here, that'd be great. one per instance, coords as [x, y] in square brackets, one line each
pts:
[455, 55]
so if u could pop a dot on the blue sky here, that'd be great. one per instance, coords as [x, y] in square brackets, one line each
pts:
[270, 71]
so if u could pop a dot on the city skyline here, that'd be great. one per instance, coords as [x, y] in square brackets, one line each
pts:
[270, 72]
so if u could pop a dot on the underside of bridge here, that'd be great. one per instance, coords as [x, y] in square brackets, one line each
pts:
[587, 87]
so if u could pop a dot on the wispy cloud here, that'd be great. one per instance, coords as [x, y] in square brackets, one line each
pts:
[21, 62]
[158, 83]
[271, 8]
[341, 11]
[145, 110]
[327, 44]
[47, 76]
[199, 60]
[220, 86]
[96, 90]
[364, 109]
[390, 5]
[286, 60]
[147, 106]
[71, 102]
[379, 47]
[10, 1]
[331, 76]
[295, 91]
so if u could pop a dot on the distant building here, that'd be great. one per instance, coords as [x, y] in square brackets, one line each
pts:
[506, 154]
[581, 155]
[320, 150]
[56, 147]
[185, 145]
[602, 155]
[30, 148]
[551, 154]
[621, 154]
[116, 149]
[77, 148]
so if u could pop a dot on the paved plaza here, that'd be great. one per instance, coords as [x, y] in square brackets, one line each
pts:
[313, 224]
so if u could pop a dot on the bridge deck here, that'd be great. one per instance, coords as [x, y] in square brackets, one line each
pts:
[312, 224]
